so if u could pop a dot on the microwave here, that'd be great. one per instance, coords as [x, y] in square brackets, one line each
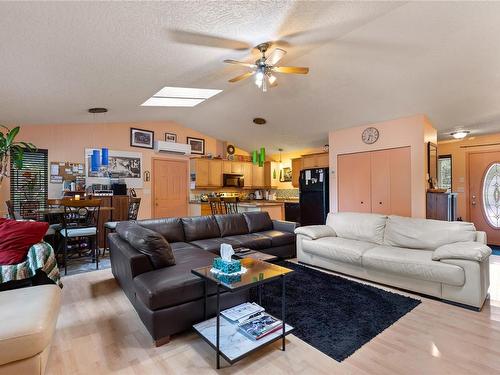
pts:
[233, 180]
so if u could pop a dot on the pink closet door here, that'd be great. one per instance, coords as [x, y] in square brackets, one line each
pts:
[400, 160]
[381, 181]
[353, 181]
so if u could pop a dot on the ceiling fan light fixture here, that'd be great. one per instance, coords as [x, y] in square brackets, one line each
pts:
[272, 79]
[259, 78]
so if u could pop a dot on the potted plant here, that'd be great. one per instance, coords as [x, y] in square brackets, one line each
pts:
[11, 150]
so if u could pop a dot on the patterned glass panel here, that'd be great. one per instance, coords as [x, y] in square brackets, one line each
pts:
[491, 195]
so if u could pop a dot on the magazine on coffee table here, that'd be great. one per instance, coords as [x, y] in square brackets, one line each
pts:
[260, 326]
[242, 311]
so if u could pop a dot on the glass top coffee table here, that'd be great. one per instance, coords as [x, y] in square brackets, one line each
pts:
[222, 334]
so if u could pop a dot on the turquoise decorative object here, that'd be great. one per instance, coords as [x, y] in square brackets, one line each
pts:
[228, 279]
[255, 157]
[225, 266]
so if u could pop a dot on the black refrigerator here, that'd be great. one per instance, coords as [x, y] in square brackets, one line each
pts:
[314, 196]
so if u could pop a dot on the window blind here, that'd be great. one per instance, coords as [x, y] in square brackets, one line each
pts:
[29, 185]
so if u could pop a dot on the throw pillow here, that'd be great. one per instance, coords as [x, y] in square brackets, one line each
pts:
[147, 242]
[16, 237]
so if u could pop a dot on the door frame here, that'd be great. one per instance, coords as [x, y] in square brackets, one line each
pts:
[153, 180]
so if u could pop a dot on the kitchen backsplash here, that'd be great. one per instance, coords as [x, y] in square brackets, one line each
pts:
[287, 193]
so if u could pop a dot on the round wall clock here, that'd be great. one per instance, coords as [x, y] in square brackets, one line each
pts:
[370, 135]
[230, 149]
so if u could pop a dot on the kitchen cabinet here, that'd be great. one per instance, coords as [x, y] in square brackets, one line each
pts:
[315, 161]
[215, 173]
[257, 176]
[296, 168]
[271, 174]
[375, 181]
[247, 174]
[208, 173]
[232, 167]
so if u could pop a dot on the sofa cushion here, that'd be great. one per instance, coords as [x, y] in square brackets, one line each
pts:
[278, 237]
[416, 264]
[147, 242]
[175, 285]
[182, 245]
[338, 249]
[426, 234]
[358, 226]
[16, 237]
[255, 241]
[170, 228]
[476, 251]
[213, 244]
[200, 227]
[258, 221]
[316, 231]
[28, 317]
[231, 225]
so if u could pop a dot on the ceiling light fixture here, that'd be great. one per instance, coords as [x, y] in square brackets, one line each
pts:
[259, 121]
[179, 97]
[97, 110]
[460, 134]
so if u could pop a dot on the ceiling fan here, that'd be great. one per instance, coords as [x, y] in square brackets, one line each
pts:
[264, 67]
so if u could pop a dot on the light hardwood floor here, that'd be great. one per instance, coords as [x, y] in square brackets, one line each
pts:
[98, 332]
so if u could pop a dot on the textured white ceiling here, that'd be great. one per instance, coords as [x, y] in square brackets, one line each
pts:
[369, 62]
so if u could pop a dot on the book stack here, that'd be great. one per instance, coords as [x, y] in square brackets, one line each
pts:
[252, 320]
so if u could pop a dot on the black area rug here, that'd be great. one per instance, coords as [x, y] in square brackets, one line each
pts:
[335, 315]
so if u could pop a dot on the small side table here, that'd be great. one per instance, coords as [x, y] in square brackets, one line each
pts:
[254, 254]
[222, 334]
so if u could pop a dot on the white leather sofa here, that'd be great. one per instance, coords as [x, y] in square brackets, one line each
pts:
[28, 319]
[447, 260]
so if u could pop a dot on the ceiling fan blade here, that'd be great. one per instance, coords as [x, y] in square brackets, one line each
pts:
[290, 69]
[275, 56]
[241, 77]
[187, 37]
[240, 63]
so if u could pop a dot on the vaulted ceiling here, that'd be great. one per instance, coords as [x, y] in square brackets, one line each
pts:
[369, 62]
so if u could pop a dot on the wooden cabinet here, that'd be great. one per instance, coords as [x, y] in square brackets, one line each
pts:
[315, 161]
[215, 173]
[247, 174]
[376, 181]
[257, 176]
[296, 168]
[208, 173]
[205, 209]
[441, 206]
[232, 167]
[271, 174]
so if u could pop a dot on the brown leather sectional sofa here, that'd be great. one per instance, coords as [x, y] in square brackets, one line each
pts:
[170, 300]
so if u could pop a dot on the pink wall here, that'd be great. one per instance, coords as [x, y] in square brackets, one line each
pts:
[411, 131]
[67, 142]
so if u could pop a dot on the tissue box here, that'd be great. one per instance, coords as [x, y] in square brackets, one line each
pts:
[225, 266]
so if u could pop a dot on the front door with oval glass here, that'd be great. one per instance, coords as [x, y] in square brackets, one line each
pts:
[484, 193]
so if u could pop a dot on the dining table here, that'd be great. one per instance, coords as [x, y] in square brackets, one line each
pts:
[60, 210]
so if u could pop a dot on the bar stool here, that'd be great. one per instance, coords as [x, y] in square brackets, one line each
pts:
[110, 226]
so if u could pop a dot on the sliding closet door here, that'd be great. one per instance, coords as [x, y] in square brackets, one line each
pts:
[353, 179]
[400, 159]
[381, 181]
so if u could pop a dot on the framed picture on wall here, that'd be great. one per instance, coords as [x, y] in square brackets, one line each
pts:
[141, 138]
[170, 137]
[197, 145]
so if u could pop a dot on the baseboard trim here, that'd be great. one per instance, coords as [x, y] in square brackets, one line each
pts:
[458, 304]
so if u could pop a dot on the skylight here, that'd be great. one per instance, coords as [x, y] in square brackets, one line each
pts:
[180, 97]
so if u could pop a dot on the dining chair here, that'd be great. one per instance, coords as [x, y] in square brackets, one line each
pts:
[14, 215]
[79, 221]
[110, 226]
[217, 206]
[231, 205]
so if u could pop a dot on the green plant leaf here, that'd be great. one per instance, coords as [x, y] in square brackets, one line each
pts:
[12, 134]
